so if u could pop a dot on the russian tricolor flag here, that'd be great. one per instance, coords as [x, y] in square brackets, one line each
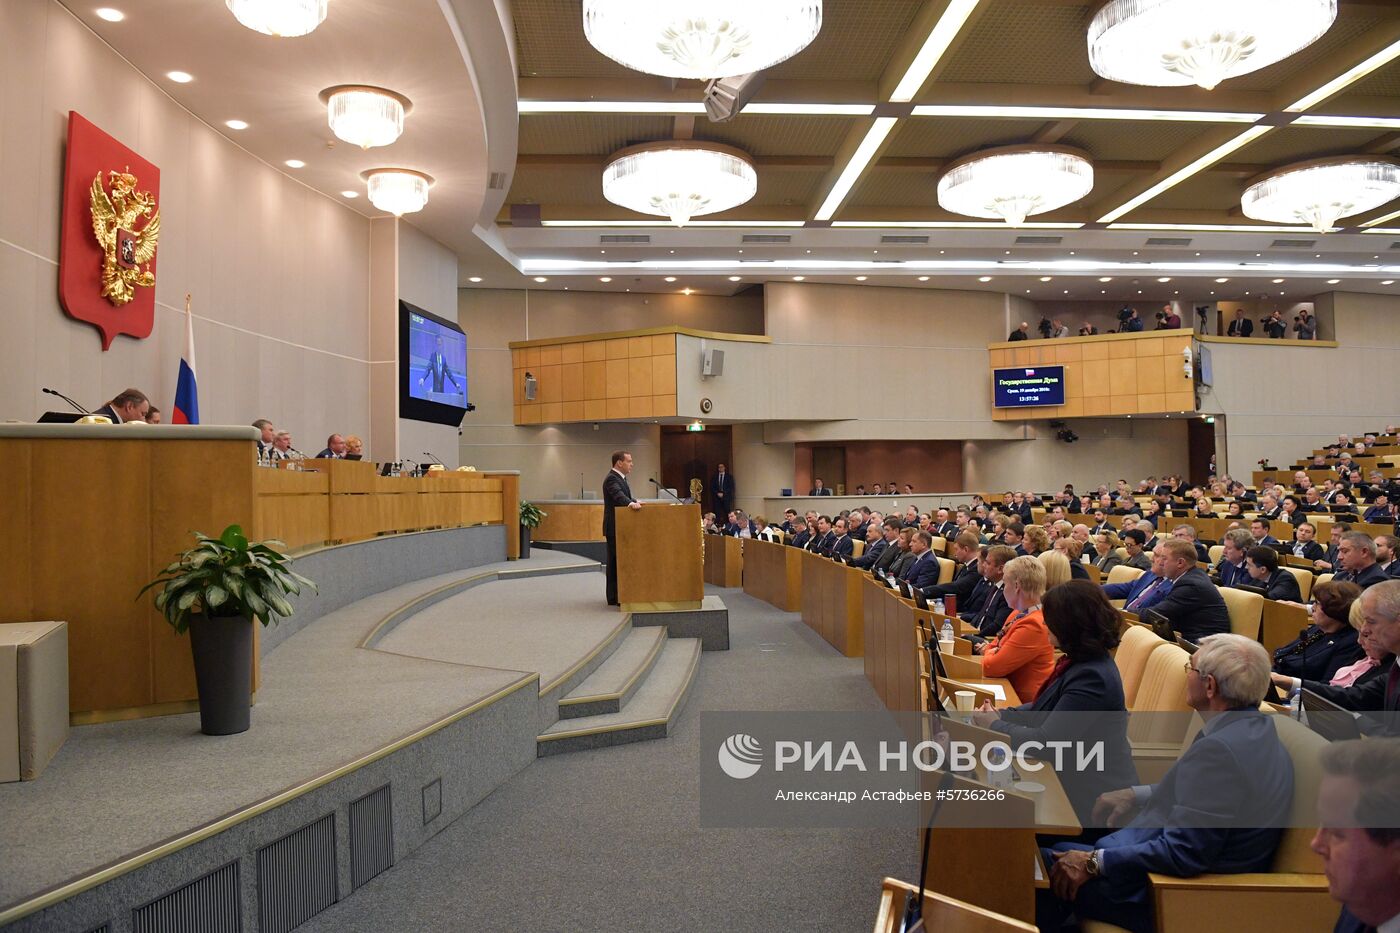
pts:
[186, 391]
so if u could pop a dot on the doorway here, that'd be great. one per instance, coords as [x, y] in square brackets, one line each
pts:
[687, 455]
[829, 463]
[1200, 448]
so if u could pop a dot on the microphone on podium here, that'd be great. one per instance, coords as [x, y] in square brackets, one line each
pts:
[436, 458]
[666, 491]
[76, 406]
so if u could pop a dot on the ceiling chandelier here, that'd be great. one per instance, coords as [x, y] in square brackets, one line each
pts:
[365, 116]
[1322, 191]
[283, 18]
[704, 40]
[679, 179]
[1014, 182]
[1166, 43]
[398, 191]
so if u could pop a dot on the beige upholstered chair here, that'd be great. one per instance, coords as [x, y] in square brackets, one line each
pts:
[1246, 611]
[1131, 658]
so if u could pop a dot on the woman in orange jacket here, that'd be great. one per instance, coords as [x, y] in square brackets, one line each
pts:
[1021, 653]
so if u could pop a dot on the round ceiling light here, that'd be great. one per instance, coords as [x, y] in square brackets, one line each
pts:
[679, 179]
[365, 116]
[1322, 191]
[1015, 182]
[285, 19]
[1170, 43]
[397, 190]
[689, 39]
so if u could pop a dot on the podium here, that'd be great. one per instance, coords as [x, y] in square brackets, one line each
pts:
[659, 558]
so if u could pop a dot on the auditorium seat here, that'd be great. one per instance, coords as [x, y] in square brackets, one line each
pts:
[1322, 578]
[859, 548]
[946, 569]
[1131, 658]
[1162, 690]
[1216, 551]
[1305, 581]
[1122, 574]
[1246, 610]
[939, 545]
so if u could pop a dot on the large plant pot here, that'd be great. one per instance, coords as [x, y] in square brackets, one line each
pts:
[223, 672]
[524, 542]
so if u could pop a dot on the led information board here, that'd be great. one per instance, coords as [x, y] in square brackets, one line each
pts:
[1027, 386]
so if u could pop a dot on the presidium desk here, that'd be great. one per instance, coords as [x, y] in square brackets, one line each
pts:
[94, 512]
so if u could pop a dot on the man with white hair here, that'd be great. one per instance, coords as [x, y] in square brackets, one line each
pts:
[1356, 552]
[1221, 808]
[1358, 808]
[1380, 606]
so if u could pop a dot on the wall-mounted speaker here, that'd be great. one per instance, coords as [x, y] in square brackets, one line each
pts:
[532, 386]
[712, 364]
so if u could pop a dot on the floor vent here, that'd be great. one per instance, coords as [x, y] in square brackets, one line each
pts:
[371, 836]
[1038, 240]
[1169, 241]
[296, 877]
[205, 905]
[775, 238]
[624, 239]
[1293, 244]
[105, 928]
[904, 240]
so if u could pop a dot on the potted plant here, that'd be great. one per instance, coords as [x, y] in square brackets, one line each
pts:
[215, 591]
[530, 517]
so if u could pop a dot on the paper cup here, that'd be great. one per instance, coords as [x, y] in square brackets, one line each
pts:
[1031, 789]
[966, 700]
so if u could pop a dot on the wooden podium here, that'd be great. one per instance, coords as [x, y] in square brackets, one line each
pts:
[659, 562]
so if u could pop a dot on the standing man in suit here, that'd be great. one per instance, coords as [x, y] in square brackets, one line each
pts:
[616, 495]
[439, 370]
[1241, 326]
[1221, 808]
[722, 488]
[819, 489]
[129, 405]
[1359, 845]
[1194, 606]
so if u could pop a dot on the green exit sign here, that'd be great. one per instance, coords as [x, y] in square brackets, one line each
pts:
[695, 426]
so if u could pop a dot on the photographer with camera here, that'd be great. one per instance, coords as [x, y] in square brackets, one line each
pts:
[1168, 319]
[1273, 325]
[1305, 326]
[1128, 321]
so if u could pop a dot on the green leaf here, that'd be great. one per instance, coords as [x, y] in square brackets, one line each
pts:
[215, 596]
[187, 599]
[233, 537]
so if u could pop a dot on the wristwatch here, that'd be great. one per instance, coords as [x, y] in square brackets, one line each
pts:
[1092, 866]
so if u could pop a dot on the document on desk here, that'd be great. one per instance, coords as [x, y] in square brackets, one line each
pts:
[994, 689]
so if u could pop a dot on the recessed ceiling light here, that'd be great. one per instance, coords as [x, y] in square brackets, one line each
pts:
[1165, 278]
[735, 278]
[923, 278]
[985, 278]
[541, 279]
[799, 278]
[606, 278]
[1047, 278]
[686, 291]
[670, 278]
[1278, 281]
[236, 124]
[1388, 282]
[861, 278]
[1221, 281]
[1105, 278]
[1334, 281]
[1066, 291]
[474, 279]
[180, 77]
[294, 163]
[109, 14]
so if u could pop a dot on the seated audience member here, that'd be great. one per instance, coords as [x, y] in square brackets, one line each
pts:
[1267, 576]
[1330, 560]
[1021, 652]
[1269, 509]
[1234, 511]
[1071, 549]
[1385, 555]
[877, 490]
[335, 448]
[877, 539]
[1205, 508]
[923, 570]
[966, 551]
[282, 448]
[1378, 512]
[1084, 682]
[1220, 809]
[708, 526]
[789, 516]
[1291, 512]
[1356, 553]
[911, 516]
[1330, 642]
[1144, 592]
[904, 553]
[800, 534]
[1194, 607]
[1187, 533]
[129, 405]
[1359, 686]
[860, 489]
[989, 597]
[944, 526]
[265, 441]
[1021, 333]
[823, 538]
[1082, 534]
[1106, 544]
[1358, 807]
[1101, 523]
[1303, 544]
[764, 531]
[818, 489]
[1057, 568]
[153, 415]
[354, 446]
[843, 546]
[1036, 541]
[1134, 543]
[1231, 569]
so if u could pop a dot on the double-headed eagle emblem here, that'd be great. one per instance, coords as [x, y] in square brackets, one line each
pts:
[126, 251]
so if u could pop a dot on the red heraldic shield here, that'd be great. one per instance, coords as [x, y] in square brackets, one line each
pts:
[97, 161]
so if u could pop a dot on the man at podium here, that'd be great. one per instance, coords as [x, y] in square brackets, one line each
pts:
[616, 495]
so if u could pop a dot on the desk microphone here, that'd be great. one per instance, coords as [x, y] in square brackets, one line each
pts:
[436, 458]
[666, 491]
[76, 406]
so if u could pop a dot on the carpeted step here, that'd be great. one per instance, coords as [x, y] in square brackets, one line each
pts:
[608, 689]
[647, 715]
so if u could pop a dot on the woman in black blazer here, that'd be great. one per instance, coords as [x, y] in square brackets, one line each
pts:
[1360, 686]
[1330, 642]
[1106, 543]
[1082, 701]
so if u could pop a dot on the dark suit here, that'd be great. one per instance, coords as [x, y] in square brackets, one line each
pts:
[1132, 591]
[1308, 550]
[961, 586]
[1077, 570]
[107, 412]
[800, 539]
[329, 454]
[872, 554]
[887, 559]
[1281, 585]
[843, 546]
[1367, 693]
[1233, 574]
[1236, 773]
[824, 491]
[1195, 607]
[923, 571]
[947, 530]
[1318, 655]
[993, 614]
[1346, 923]
[823, 544]
[900, 564]
[1241, 327]
[441, 373]
[616, 495]
[1366, 578]
[1084, 703]
[722, 488]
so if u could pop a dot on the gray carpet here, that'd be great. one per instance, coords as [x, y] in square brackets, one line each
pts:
[610, 839]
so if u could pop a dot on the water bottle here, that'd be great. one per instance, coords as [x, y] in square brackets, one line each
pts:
[938, 606]
[1295, 704]
[945, 634]
[998, 768]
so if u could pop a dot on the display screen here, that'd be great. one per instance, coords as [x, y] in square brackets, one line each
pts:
[1027, 386]
[432, 367]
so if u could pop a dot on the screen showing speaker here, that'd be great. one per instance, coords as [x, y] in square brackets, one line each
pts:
[1028, 386]
[432, 367]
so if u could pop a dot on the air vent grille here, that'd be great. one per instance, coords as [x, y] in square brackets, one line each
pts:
[1293, 244]
[496, 181]
[624, 239]
[1038, 240]
[767, 238]
[1169, 241]
[904, 240]
[371, 836]
[296, 877]
[205, 905]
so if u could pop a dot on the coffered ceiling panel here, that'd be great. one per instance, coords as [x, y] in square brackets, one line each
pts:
[779, 136]
[1295, 143]
[589, 134]
[938, 138]
[1020, 42]
[788, 187]
[1385, 82]
[1131, 139]
[558, 184]
[1208, 191]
